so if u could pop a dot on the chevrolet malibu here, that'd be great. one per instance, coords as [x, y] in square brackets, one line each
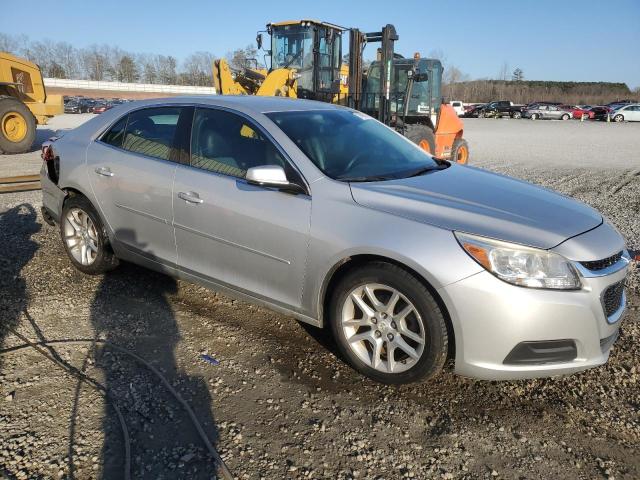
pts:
[327, 215]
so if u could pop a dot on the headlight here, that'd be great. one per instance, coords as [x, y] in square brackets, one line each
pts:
[521, 265]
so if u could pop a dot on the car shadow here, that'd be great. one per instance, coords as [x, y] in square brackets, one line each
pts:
[17, 248]
[131, 310]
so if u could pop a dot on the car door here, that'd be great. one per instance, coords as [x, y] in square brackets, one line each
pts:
[131, 169]
[251, 238]
[634, 113]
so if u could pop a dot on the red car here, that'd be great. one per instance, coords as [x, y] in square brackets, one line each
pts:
[102, 107]
[577, 112]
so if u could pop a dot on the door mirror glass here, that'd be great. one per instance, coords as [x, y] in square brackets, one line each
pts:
[271, 176]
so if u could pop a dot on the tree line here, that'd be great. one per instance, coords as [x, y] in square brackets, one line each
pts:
[525, 91]
[111, 63]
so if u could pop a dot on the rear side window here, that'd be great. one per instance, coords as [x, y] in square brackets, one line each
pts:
[226, 143]
[115, 135]
[152, 131]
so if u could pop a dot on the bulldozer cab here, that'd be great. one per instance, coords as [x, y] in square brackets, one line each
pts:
[313, 49]
[418, 79]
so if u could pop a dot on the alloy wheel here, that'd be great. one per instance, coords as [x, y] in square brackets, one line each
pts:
[81, 236]
[383, 328]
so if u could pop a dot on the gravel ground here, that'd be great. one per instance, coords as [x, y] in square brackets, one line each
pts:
[283, 405]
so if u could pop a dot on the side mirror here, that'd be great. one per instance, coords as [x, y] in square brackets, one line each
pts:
[271, 176]
[259, 41]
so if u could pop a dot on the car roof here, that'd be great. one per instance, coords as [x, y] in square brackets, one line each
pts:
[246, 103]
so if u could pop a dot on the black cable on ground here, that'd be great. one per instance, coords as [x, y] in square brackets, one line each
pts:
[85, 379]
[226, 473]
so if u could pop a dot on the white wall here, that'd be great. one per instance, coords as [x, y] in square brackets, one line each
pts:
[126, 87]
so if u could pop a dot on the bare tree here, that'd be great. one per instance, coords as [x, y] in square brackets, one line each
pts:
[503, 73]
[239, 58]
[518, 75]
[197, 69]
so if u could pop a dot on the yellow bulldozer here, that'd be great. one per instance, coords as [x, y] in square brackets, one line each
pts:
[24, 103]
[306, 61]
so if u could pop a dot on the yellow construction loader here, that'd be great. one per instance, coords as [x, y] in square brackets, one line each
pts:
[306, 62]
[23, 103]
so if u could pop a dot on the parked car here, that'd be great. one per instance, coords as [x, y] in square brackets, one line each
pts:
[577, 111]
[86, 105]
[600, 113]
[328, 215]
[102, 107]
[546, 112]
[458, 107]
[72, 106]
[472, 111]
[501, 108]
[626, 113]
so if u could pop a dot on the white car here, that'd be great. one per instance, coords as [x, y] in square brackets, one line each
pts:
[458, 106]
[629, 113]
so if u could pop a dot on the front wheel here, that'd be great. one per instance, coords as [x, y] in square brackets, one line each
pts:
[517, 114]
[534, 116]
[388, 325]
[618, 118]
[422, 136]
[85, 238]
[565, 117]
[460, 151]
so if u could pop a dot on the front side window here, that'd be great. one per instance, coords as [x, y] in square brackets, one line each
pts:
[226, 143]
[351, 146]
[152, 131]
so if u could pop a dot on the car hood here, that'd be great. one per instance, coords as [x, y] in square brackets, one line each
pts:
[475, 201]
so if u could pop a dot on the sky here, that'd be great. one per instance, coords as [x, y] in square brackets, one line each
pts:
[571, 40]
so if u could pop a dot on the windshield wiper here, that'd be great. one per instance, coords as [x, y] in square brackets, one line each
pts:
[373, 178]
[423, 170]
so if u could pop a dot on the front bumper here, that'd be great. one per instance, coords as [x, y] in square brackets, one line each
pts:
[492, 319]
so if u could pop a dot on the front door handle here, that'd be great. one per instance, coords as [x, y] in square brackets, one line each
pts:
[104, 171]
[191, 197]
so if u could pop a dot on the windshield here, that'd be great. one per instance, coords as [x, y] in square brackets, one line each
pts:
[292, 47]
[351, 146]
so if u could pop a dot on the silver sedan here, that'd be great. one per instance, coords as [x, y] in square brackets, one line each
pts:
[546, 112]
[327, 215]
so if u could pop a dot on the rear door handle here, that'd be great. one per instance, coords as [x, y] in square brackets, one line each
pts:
[191, 197]
[104, 171]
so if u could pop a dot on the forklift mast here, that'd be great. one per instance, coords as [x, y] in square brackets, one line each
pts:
[357, 40]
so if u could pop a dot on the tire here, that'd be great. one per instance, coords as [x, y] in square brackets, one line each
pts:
[91, 233]
[17, 126]
[564, 117]
[618, 118]
[422, 136]
[534, 116]
[425, 322]
[460, 151]
[481, 115]
[516, 115]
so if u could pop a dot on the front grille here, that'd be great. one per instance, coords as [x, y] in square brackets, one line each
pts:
[596, 265]
[612, 298]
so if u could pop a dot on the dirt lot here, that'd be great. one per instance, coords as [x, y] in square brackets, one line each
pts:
[279, 403]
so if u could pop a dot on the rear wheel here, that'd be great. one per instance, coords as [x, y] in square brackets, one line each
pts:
[422, 136]
[517, 114]
[534, 116]
[460, 151]
[17, 126]
[85, 238]
[388, 325]
[565, 117]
